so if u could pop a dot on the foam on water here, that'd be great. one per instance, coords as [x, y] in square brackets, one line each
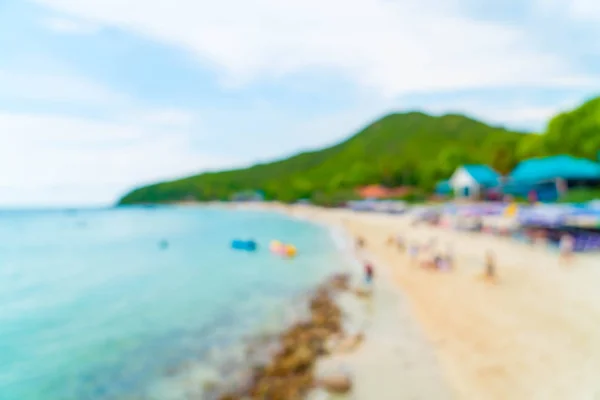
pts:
[92, 308]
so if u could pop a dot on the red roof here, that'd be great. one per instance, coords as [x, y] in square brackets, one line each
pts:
[381, 192]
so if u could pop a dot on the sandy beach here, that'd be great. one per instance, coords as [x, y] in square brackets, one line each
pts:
[437, 335]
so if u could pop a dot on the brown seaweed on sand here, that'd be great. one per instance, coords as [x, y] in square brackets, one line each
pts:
[289, 375]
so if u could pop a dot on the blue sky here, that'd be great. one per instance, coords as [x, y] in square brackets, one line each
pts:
[98, 96]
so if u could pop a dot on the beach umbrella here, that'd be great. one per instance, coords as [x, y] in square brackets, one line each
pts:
[542, 216]
[584, 218]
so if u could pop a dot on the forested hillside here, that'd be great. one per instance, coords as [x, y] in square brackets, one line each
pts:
[410, 148]
[399, 149]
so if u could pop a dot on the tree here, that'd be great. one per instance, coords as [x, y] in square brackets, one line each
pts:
[451, 158]
[530, 146]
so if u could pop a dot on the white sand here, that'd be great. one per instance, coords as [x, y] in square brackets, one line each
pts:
[533, 335]
[395, 361]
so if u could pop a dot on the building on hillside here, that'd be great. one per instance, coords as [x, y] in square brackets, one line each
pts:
[474, 181]
[248, 195]
[547, 178]
[382, 192]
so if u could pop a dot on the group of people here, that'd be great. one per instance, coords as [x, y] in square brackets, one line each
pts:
[566, 242]
[429, 256]
[425, 255]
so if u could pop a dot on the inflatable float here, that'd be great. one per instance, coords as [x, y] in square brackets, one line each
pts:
[283, 249]
[246, 245]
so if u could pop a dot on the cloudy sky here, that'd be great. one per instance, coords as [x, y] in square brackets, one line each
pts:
[97, 96]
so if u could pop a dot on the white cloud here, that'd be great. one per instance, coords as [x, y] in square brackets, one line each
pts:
[49, 159]
[69, 26]
[584, 10]
[55, 86]
[390, 46]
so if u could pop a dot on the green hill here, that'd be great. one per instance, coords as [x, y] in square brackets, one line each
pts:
[576, 132]
[409, 148]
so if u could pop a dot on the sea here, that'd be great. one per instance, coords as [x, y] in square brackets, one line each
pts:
[145, 302]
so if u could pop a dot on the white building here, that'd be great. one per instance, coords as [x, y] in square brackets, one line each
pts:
[472, 180]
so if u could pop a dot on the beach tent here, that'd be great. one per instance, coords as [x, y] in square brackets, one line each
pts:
[473, 180]
[548, 176]
[362, 205]
[481, 210]
[443, 188]
[550, 168]
[547, 216]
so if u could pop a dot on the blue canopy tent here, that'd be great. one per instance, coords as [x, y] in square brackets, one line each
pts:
[541, 175]
[443, 188]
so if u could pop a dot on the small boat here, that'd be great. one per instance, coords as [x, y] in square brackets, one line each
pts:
[246, 245]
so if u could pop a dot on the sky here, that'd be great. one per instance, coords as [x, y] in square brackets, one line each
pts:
[100, 96]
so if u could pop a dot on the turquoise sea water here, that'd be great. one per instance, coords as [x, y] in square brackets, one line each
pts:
[91, 307]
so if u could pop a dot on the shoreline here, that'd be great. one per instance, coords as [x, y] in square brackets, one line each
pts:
[395, 360]
[530, 336]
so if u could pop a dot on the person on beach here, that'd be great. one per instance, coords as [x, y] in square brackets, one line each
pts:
[413, 252]
[439, 262]
[490, 266]
[360, 242]
[566, 245]
[442, 262]
[400, 243]
[368, 272]
[427, 263]
[449, 256]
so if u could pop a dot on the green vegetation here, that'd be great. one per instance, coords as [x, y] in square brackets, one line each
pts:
[412, 148]
[576, 132]
[581, 196]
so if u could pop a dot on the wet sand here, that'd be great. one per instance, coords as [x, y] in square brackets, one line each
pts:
[532, 335]
[396, 360]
